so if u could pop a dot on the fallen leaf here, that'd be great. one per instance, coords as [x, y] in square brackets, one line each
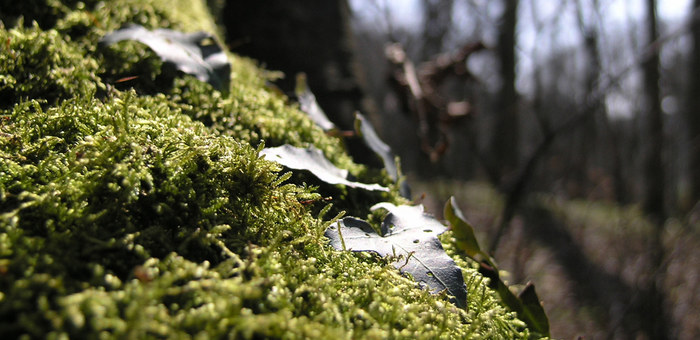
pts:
[308, 104]
[193, 53]
[366, 131]
[313, 160]
[410, 233]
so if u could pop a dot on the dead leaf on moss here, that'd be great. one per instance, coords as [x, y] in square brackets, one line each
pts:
[309, 105]
[412, 234]
[313, 160]
[196, 53]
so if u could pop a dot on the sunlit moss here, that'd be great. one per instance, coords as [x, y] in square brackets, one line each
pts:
[140, 208]
[40, 64]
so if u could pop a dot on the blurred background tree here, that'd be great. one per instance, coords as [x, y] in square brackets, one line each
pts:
[310, 36]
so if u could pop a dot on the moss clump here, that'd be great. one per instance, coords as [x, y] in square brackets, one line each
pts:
[41, 65]
[138, 210]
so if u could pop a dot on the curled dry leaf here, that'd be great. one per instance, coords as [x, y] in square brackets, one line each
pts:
[196, 53]
[411, 234]
[313, 160]
[308, 104]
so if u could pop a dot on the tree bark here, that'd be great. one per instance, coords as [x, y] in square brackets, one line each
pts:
[504, 142]
[656, 326]
[436, 26]
[653, 124]
[310, 36]
[598, 111]
[692, 113]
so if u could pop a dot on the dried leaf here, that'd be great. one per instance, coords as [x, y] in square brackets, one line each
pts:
[410, 233]
[308, 104]
[192, 53]
[313, 160]
[364, 128]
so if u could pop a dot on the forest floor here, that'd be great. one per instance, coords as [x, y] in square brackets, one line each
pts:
[587, 259]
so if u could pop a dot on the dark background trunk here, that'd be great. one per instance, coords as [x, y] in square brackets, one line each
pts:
[505, 135]
[310, 36]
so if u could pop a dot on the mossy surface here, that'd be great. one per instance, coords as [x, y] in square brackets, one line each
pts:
[140, 208]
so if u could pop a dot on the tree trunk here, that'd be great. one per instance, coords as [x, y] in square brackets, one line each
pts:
[693, 111]
[610, 153]
[653, 125]
[504, 143]
[436, 25]
[310, 36]
[656, 325]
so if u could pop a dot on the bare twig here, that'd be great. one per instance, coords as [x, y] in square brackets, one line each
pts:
[418, 89]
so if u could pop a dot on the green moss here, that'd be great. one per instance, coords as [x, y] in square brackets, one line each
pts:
[39, 64]
[141, 209]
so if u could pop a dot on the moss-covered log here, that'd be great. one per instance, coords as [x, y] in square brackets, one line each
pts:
[134, 202]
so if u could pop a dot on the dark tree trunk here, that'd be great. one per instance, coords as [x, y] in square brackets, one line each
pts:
[598, 123]
[310, 36]
[436, 26]
[504, 143]
[656, 326]
[693, 110]
[653, 125]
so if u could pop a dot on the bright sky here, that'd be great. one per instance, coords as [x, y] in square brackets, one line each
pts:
[406, 13]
